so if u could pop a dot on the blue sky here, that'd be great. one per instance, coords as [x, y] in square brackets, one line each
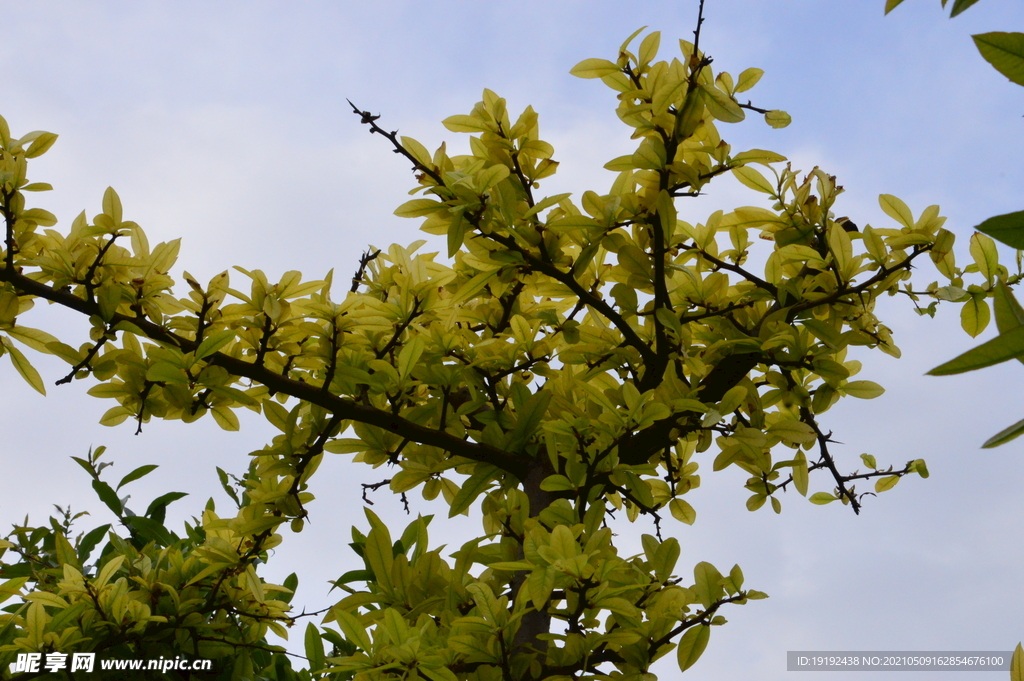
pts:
[226, 124]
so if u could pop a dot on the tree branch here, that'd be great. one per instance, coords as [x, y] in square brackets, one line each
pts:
[344, 407]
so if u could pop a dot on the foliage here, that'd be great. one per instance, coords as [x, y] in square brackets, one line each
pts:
[1005, 52]
[570, 361]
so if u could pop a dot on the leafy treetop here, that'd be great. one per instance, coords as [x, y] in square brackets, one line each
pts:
[570, 360]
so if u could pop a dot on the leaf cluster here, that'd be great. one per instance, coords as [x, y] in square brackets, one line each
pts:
[568, 361]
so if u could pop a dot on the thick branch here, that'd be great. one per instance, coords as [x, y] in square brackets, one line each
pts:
[343, 407]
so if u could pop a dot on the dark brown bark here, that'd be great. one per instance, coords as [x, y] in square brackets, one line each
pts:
[536, 622]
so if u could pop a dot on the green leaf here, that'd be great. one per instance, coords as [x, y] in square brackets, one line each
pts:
[457, 233]
[212, 344]
[471, 489]
[865, 390]
[39, 341]
[707, 583]
[777, 119]
[379, 555]
[156, 508]
[472, 287]
[1008, 312]
[149, 530]
[556, 483]
[890, 5]
[90, 540]
[800, 477]
[975, 315]
[1017, 664]
[225, 418]
[115, 416]
[720, 105]
[314, 648]
[437, 673]
[748, 79]
[822, 498]
[107, 571]
[649, 47]
[40, 145]
[352, 628]
[112, 205]
[594, 68]
[754, 180]
[25, 368]
[895, 208]
[959, 6]
[462, 123]
[65, 552]
[410, 355]
[682, 511]
[1008, 228]
[986, 257]
[136, 474]
[886, 483]
[1004, 51]
[418, 208]
[107, 496]
[165, 372]
[692, 645]
[528, 420]
[1004, 436]
[37, 187]
[1001, 348]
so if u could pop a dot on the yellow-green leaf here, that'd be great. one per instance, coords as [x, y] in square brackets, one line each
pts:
[225, 418]
[896, 209]
[722, 106]
[594, 68]
[418, 208]
[25, 368]
[748, 79]
[865, 390]
[462, 123]
[753, 179]
[777, 118]
[692, 645]
[214, 342]
[886, 483]
[40, 145]
[1017, 664]
[1004, 51]
[974, 316]
[649, 47]
[352, 628]
[800, 473]
[682, 511]
[983, 250]
[1005, 435]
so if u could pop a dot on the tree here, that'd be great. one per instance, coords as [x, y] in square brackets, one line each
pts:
[568, 364]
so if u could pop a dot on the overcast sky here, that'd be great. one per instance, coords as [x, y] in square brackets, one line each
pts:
[226, 124]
